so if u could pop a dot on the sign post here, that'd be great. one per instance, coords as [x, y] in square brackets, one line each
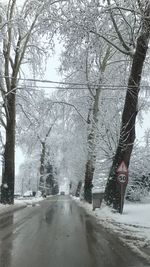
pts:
[122, 179]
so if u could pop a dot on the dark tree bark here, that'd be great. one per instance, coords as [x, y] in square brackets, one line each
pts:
[89, 172]
[42, 161]
[91, 157]
[43, 156]
[127, 132]
[8, 176]
[77, 194]
[42, 182]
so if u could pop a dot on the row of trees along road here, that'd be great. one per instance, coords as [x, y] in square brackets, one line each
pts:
[127, 34]
[101, 40]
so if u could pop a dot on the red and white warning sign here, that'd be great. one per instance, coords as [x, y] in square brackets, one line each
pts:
[122, 168]
[122, 180]
[122, 173]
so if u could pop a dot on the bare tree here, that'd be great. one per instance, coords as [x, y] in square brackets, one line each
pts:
[92, 120]
[21, 25]
[128, 35]
[127, 132]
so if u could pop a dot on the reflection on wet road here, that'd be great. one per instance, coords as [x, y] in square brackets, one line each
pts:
[59, 234]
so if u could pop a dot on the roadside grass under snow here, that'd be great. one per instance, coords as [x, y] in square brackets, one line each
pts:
[29, 201]
[20, 203]
[132, 227]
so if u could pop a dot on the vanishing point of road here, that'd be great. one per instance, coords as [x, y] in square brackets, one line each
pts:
[58, 233]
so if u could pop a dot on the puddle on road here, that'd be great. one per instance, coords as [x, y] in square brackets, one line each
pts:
[66, 208]
[68, 229]
[49, 215]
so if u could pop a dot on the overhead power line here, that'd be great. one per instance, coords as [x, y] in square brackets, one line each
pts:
[110, 88]
[103, 88]
[71, 85]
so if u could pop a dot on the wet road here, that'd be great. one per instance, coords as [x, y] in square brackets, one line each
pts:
[58, 233]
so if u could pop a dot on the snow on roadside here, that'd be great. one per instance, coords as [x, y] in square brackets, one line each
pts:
[9, 208]
[20, 203]
[132, 227]
[29, 201]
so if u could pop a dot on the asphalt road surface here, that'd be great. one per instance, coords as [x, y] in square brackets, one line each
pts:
[58, 233]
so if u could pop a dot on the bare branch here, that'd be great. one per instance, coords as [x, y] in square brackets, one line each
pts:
[140, 6]
[87, 76]
[125, 46]
[125, 52]
[71, 105]
[2, 123]
[49, 130]
[131, 29]
[25, 113]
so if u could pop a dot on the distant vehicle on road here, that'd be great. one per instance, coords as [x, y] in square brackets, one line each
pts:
[62, 193]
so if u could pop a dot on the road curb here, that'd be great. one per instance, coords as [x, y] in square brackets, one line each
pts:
[141, 252]
[12, 209]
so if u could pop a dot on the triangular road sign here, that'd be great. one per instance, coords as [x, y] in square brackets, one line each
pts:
[122, 167]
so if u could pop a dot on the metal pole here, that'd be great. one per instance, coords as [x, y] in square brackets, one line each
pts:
[121, 198]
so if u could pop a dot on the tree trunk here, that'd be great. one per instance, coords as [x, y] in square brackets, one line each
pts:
[89, 172]
[42, 160]
[127, 133]
[78, 190]
[8, 176]
[91, 157]
[42, 183]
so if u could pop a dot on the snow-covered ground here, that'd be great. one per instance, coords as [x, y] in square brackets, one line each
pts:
[132, 227]
[28, 201]
[9, 208]
[20, 203]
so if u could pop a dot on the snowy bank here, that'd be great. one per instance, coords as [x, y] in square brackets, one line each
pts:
[10, 208]
[29, 201]
[132, 227]
[19, 204]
